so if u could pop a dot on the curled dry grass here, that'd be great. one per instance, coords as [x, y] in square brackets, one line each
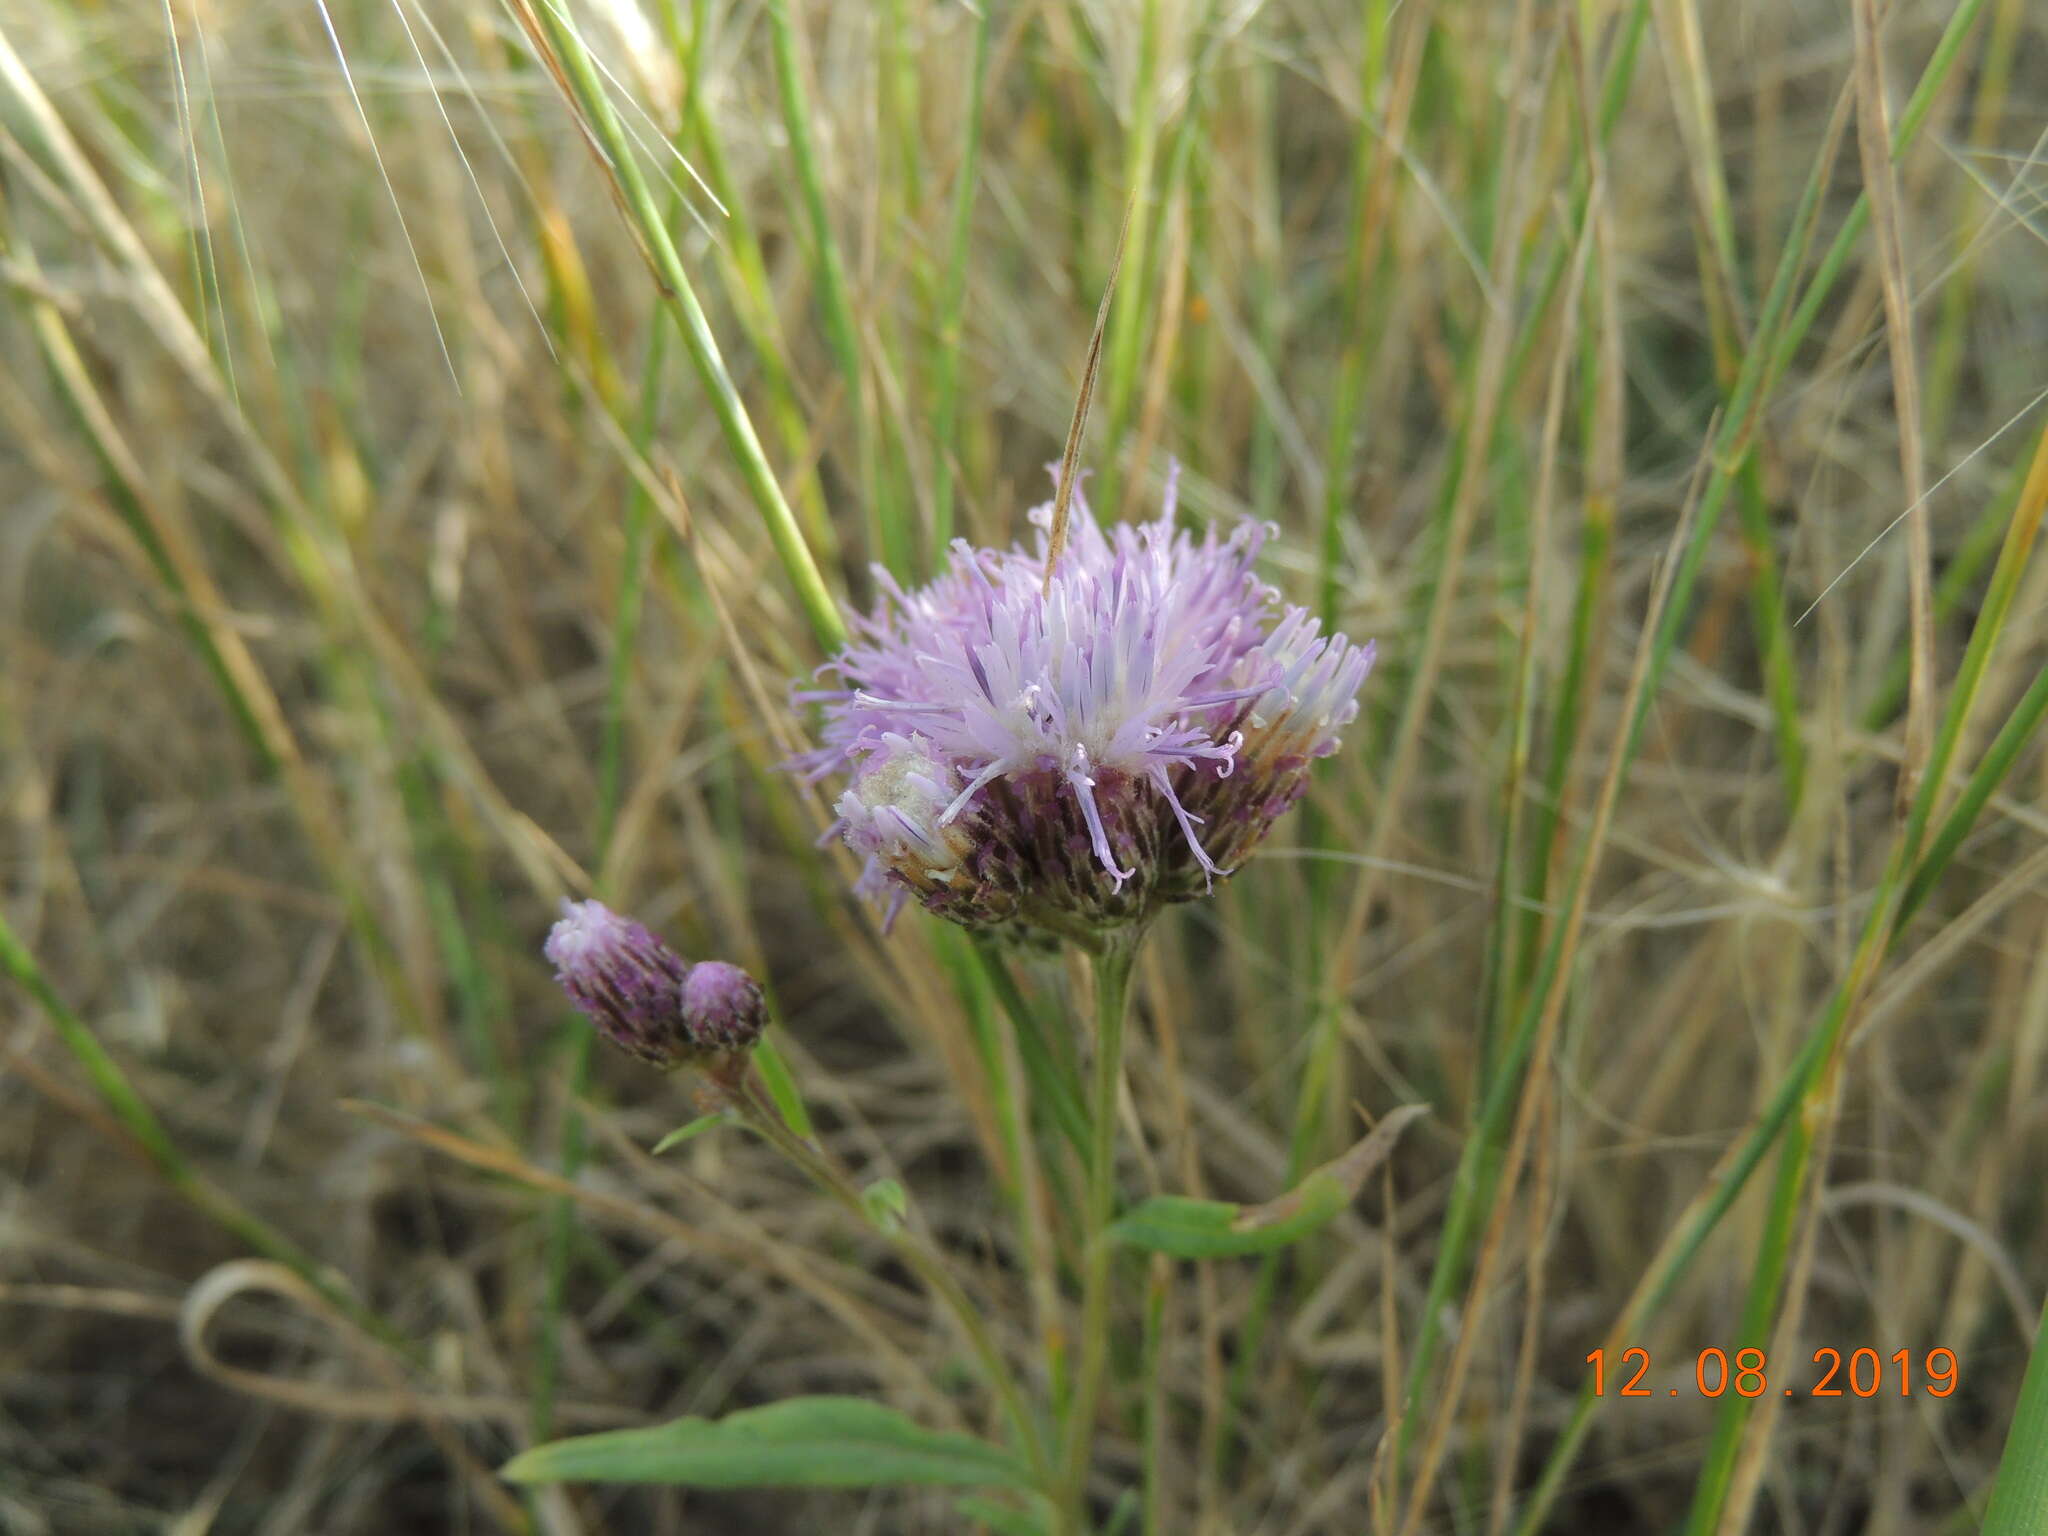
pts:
[384, 557]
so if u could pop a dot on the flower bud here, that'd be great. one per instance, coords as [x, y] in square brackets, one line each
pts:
[722, 1007]
[647, 999]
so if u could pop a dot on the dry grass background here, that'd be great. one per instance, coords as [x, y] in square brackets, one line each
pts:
[372, 573]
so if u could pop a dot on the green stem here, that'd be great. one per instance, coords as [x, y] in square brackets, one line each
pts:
[750, 1099]
[747, 281]
[1773, 632]
[888, 537]
[573, 1037]
[1158, 1291]
[1717, 1470]
[574, 1043]
[1112, 968]
[1053, 1085]
[952, 308]
[1120, 367]
[1361, 300]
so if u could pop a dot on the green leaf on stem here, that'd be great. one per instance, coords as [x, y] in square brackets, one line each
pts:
[802, 1442]
[886, 1204]
[692, 1131]
[782, 1086]
[1185, 1228]
[1006, 1519]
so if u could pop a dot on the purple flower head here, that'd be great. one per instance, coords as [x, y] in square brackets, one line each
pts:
[1070, 761]
[647, 999]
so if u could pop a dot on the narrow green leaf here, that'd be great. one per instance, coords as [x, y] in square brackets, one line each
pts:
[692, 1131]
[886, 1204]
[946, 348]
[2019, 1501]
[1004, 1519]
[804, 1442]
[1185, 1228]
[782, 1086]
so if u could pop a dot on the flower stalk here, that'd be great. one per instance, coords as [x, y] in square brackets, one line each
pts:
[659, 1008]
[1111, 967]
[747, 1096]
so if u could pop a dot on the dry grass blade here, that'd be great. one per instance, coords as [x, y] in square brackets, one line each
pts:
[1070, 456]
[244, 1276]
[1529, 1112]
[751, 1246]
[395, 1400]
[391, 191]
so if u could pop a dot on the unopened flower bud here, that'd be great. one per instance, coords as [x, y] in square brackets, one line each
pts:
[722, 1007]
[647, 999]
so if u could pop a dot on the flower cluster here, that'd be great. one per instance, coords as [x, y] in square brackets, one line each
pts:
[1069, 757]
[645, 998]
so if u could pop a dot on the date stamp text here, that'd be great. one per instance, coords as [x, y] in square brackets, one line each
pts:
[1748, 1373]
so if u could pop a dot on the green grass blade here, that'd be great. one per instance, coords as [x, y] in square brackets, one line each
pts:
[888, 532]
[2019, 1499]
[552, 32]
[945, 364]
